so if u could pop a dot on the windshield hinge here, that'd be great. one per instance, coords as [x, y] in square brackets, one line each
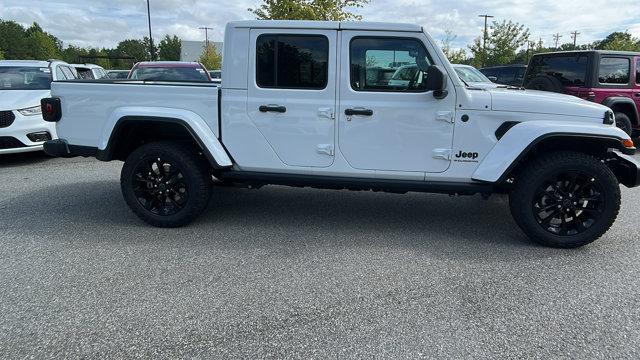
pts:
[446, 116]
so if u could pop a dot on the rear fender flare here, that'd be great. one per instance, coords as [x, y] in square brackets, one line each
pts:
[202, 133]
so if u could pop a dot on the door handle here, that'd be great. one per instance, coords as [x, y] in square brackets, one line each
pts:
[363, 112]
[272, 108]
[636, 94]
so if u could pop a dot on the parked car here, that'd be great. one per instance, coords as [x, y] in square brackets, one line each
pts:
[307, 116]
[605, 77]
[23, 83]
[169, 71]
[473, 76]
[511, 75]
[407, 76]
[117, 74]
[90, 71]
[216, 76]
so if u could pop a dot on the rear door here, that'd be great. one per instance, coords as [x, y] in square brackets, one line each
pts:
[292, 93]
[394, 125]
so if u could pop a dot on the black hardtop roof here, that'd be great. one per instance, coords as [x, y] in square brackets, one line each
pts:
[504, 66]
[601, 52]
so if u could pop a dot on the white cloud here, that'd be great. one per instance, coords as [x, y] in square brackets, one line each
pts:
[99, 23]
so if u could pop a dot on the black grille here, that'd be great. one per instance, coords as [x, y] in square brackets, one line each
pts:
[8, 142]
[6, 118]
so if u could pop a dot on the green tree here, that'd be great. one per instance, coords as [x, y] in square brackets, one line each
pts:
[622, 41]
[169, 48]
[210, 57]
[133, 47]
[503, 42]
[335, 10]
[13, 42]
[455, 56]
[1, 55]
[42, 46]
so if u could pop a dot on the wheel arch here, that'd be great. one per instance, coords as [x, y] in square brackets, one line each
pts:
[519, 145]
[624, 105]
[131, 131]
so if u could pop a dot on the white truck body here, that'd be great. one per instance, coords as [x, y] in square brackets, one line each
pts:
[452, 138]
[410, 135]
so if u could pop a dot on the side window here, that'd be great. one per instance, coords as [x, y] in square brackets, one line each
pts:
[638, 71]
[388, 64]
[68, 73]
[614, 70]
[292, 61]
[60, 74]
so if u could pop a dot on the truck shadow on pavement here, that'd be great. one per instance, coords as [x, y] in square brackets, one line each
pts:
[23, 159]
[277, 217]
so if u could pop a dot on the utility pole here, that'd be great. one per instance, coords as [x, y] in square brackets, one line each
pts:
[574, 35]
[557, 37]
[484, 38]
[152, 51]
[206, 34]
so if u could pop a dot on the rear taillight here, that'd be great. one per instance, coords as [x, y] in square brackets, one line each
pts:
[587, 95]
[51, 110]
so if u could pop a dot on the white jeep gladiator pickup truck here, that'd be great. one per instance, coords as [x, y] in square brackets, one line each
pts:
[311, 104]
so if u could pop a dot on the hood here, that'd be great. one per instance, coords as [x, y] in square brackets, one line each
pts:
[20, 99]
[542, 102]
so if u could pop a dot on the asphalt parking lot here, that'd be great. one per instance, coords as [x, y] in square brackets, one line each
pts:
[299, 273]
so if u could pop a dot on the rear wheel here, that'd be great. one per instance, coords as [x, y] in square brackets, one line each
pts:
[166, 184]
[624, 123]
[566, 199]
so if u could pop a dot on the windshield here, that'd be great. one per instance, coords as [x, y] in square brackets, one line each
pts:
[25, 78]
[169, 74]
[471, 75]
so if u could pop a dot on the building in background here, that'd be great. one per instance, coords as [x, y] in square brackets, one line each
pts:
[191, 50]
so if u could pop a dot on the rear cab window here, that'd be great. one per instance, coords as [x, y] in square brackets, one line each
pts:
[388, 64]
[289, 61]
[569, 68]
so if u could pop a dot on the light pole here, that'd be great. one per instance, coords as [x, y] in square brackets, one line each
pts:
[206, 34]
[152, 51]
[484, 38]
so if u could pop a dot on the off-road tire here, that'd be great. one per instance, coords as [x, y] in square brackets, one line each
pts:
[545, 82]
[624, 123]
[188, 166]
[542, 171]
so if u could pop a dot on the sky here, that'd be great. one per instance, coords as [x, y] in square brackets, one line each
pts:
[103, 23]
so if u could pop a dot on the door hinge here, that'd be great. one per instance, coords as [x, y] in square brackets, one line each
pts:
[446, 116]
[326, 113]
[443, 154]
[326, 149]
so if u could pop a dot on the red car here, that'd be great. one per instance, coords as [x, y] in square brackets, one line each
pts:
[611, 78]
[169, 71]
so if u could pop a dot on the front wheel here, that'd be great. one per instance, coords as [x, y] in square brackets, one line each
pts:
[565, 199]
[166, 184]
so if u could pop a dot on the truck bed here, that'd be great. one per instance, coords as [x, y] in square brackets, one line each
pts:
[91, 109]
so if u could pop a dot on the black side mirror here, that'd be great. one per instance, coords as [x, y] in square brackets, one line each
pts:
[492, 78]
[437, 82]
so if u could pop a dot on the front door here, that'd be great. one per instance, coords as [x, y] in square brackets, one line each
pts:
[388, 121]
[292, 93]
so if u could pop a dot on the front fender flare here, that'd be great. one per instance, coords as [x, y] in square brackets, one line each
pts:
[521, 138]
